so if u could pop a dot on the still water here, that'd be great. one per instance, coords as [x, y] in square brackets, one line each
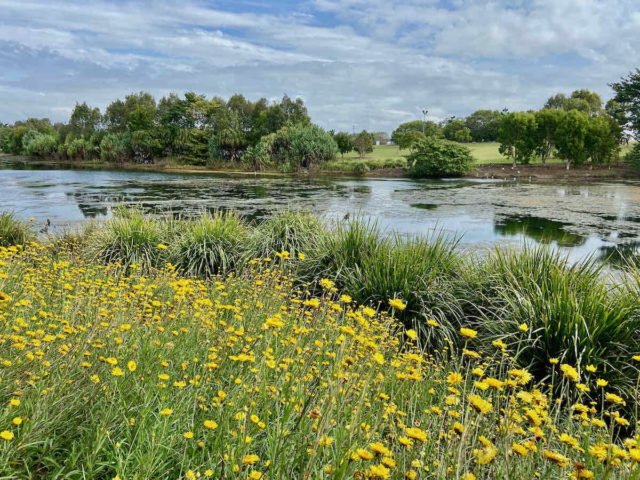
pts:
[581, 219]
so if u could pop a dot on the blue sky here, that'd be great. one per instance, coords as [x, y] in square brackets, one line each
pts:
[365, 63]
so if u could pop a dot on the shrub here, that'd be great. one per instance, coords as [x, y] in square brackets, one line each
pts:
[116, 147]
[291, 230]
[256, 157]
[210, 245]
[130, 237]
[39, 144]
[300, 146]
[360, 168]
[145, 145]
[570, 312]
[436, 158]
[409, 139]
[14, 231]
[76, 148]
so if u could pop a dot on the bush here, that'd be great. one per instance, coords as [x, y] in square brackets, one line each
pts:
[290, 230]
[14, 231]
[633, 158]
[256, 157]
[300, 146]
[116, 147]
[39, 144]
[437, 158]
[210, 245]
[131, 237]
[76, 148]
[145, 146]
[571, 313]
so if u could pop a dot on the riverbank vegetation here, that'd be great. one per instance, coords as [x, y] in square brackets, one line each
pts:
[239, 134]
[294, 350]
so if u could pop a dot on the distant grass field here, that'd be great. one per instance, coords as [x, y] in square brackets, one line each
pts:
[388, 156]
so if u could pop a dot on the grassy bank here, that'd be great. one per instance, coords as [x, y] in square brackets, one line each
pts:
[134, 371]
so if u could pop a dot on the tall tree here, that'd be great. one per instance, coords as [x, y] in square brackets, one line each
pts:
[84, 120]
[571, 135]
[517, 136]
[627, 98]
[483, 125]
[547, 121]
[428, 128]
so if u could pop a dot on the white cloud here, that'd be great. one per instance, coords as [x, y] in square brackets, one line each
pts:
[370, 63]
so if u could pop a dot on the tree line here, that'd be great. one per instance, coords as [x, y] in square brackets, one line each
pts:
[575, 128]
[195, 129]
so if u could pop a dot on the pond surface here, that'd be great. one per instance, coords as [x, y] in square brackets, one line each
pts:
[599, 219]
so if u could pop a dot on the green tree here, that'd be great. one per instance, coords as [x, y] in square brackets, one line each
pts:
[570, 138]
[407, 140]
[456, 130]
[428, 128]
[603, 139]
[547, 121]
[627, 98]
[517, 136]
[433, 157]
[363, 143]
[483, 125]
[84, 120]
[582, 100]
[343, 140]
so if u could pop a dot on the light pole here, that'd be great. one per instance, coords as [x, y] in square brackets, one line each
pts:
[424, 119]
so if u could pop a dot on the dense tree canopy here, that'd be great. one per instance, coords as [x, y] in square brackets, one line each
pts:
[428, 128]
[626, 102]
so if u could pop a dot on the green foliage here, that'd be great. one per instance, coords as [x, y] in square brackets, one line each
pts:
[428, 128]
[603, 139]
[343, 140]
[456, 130]
[211, 245]
[76, 148]
[572, 314]
[84, 120]
[256, 157]
[116, 147]
[363, 143]
[14, 231]
[517, 136]
[571, 136]
[409, 139]
[627, 102]
[193, 145]
[293, 231]
[131, 237]
[39, 144]
[229, 141]
[300, 146]
[584, 101]
[633, 158]
[438, 158]
[547, 121]
[146, 146]
[483, 125]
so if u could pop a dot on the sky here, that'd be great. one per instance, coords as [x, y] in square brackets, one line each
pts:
[357, 64]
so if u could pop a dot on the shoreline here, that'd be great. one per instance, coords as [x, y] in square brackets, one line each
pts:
[495, 171]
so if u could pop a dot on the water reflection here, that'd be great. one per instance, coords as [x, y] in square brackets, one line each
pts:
[597, 218]
[542, 230]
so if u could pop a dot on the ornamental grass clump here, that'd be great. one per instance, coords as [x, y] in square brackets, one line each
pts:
[133, 238]
[211, 244]
[13, 230]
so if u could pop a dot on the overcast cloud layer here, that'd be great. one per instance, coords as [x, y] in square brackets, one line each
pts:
[364, 63]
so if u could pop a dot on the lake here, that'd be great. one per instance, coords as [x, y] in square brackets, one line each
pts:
[599, 219]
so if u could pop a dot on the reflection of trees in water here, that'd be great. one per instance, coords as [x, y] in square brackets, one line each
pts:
[253, 199]
[622, 254]
[540, 229]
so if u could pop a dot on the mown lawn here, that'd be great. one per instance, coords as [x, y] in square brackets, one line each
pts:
[387, 156]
